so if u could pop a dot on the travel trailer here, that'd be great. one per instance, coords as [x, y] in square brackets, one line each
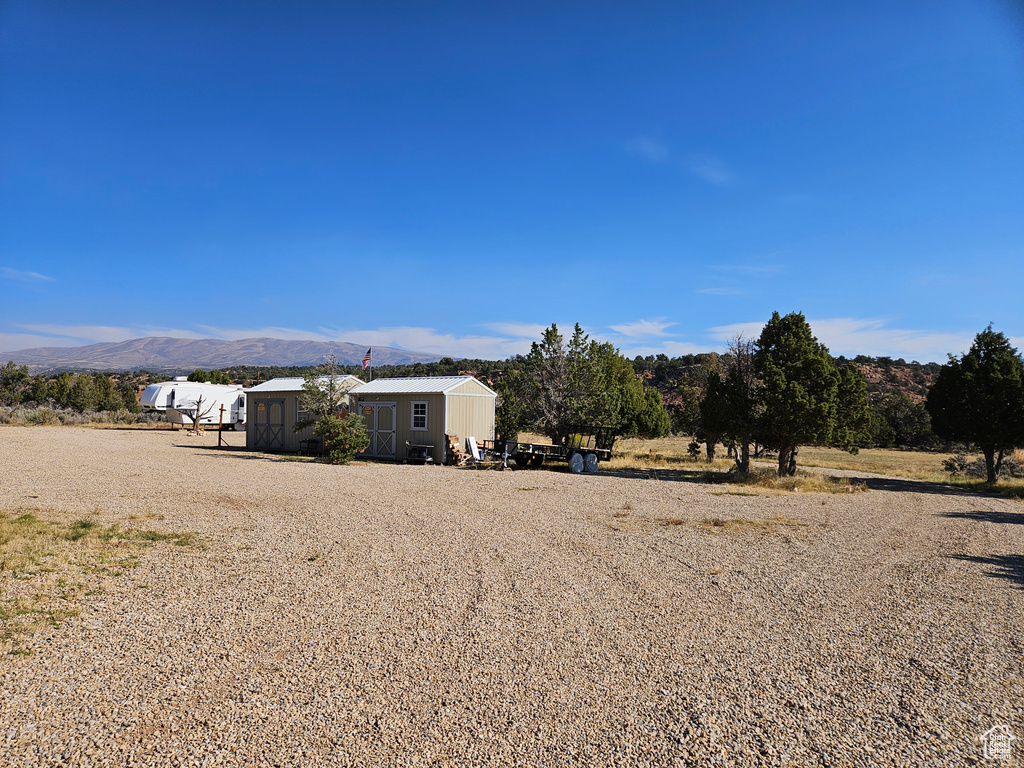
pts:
[178, 400]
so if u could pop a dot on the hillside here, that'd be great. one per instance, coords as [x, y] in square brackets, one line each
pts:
[163, 353]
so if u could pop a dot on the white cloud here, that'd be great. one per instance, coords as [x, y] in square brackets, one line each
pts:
[13, 342]
[417, 339]
[92, 334]
[648, 148]
[670, 348]
[727, 332]
[430, 341]
[712, 170]
[24, 277]
[267, 332]
[643, 328]
[532, 331]
[868, 336]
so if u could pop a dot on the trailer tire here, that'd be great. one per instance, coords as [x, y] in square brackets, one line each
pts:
[536, 461]
[239, 426]
[575, 462]
[522, 460]
[590, 463]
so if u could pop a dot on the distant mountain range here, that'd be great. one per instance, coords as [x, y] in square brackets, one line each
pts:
[167, 354]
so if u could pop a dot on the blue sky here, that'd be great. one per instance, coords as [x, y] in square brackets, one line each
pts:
[453, 177]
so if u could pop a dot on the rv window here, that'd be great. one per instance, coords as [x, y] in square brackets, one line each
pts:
[419, 416]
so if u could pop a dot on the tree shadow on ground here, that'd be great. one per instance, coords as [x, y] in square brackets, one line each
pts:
[239, 451]
[990, 516]
[702, 476]
[890, 484]
[1009, 567]
[224, 447]
[900, 485]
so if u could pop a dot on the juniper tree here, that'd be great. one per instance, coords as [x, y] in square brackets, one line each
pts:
[979, 398]
[804, 398]
[561, 386]
[325, 401]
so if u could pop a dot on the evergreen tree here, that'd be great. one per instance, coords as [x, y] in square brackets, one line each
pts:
[326, 405]
[60, 390]
[129, 396]
[105, 395]
[14, 379]
[518, 394]
[560, 387]
[730, 406]
[38, 390]
[82, 393]
[851, 425]
[979, 398]
[211, 377]
[804, 398]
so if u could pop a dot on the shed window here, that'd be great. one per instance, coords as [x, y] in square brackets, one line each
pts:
[301, 414]
[419, 415]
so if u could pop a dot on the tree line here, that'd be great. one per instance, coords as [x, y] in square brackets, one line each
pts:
[777, 392]
[81, 392]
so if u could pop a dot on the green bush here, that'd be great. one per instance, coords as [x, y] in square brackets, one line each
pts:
[343, 436]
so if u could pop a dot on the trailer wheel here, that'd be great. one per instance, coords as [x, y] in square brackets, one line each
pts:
[575, 462]
[522, 460]
[536, 461]
[239, 426]
[590, 463]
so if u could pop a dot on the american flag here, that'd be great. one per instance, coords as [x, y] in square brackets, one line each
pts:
[366, 359]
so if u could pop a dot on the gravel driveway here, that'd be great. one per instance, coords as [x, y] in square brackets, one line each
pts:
[403, 615]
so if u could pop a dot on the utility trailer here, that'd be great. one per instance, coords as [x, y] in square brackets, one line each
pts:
[583, 449]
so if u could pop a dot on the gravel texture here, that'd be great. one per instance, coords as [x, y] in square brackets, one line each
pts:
[406, 615]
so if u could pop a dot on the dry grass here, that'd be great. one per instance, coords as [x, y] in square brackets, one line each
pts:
[769, 480]
[669, 452]
[921, 465]
[918, 465]
[725, 525]
[662, 453]
[46, 567]
[717, 525]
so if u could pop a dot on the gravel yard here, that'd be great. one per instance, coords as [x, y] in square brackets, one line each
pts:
[404, 615]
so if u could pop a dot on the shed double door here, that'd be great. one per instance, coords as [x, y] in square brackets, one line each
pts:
[379, 419]
[268, 431]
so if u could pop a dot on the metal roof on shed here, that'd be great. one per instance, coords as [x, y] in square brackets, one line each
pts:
[290, 384]
[417, 385]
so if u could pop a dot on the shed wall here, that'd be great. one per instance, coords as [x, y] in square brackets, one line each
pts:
[471, 387]
[471, 416]
[292, 439]
[434, 433]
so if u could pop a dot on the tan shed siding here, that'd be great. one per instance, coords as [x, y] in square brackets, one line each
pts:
[471, 417]
[434, 434]
[291, 437]
[470, 387]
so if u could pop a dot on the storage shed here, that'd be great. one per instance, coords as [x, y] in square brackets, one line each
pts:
[273, 409]
[421, 410]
